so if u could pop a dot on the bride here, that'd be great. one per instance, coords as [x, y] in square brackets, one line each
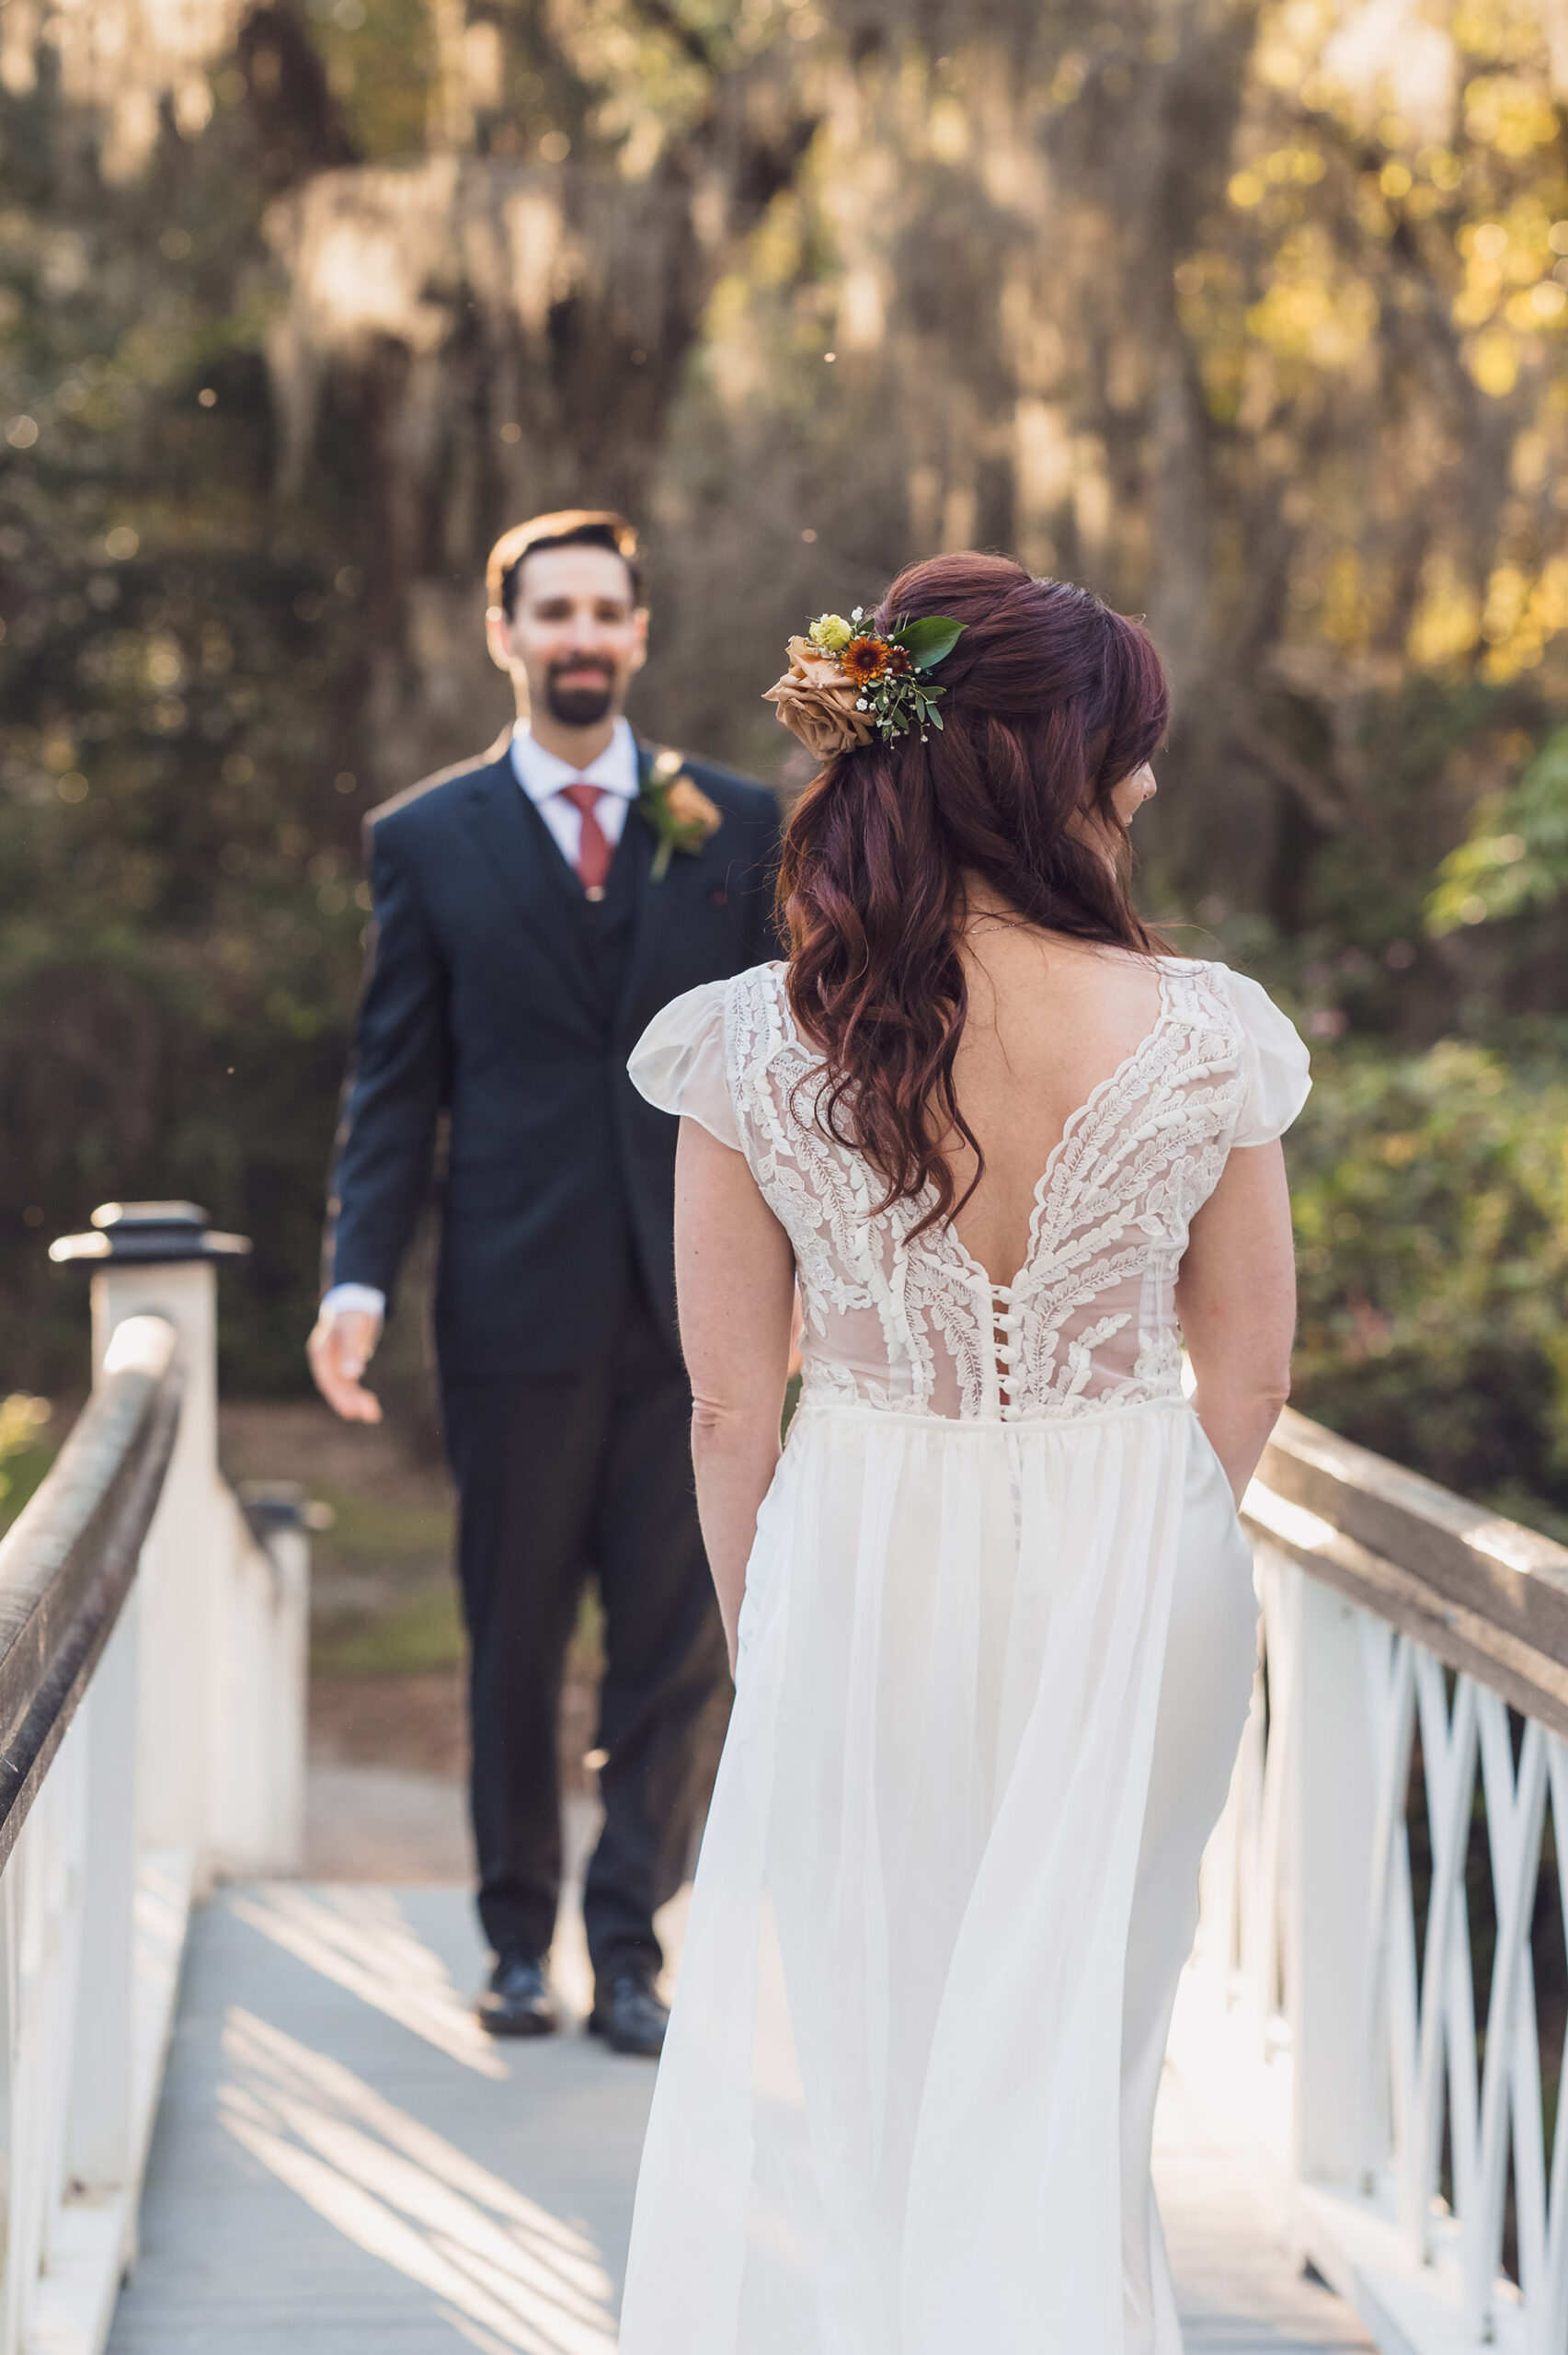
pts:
[990, 1609]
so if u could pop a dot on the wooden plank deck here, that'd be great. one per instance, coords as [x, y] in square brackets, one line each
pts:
[344, 2164]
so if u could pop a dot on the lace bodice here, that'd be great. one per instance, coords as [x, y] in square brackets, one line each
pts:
[912, 1323]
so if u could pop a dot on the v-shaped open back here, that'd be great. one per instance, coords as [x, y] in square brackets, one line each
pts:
[1115, 1079]
[897, 1320]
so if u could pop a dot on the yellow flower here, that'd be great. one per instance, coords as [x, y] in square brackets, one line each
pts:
[832, 633]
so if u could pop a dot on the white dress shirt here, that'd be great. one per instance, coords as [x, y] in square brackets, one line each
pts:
[542, 774]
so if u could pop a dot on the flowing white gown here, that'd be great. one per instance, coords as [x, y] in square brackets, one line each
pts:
[996, 1652]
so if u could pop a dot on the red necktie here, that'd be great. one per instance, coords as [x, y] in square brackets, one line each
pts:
[593, 847]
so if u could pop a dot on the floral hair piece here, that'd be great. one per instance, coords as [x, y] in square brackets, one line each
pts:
[844, 682]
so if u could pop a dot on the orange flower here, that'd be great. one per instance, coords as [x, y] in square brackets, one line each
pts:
[865, 658]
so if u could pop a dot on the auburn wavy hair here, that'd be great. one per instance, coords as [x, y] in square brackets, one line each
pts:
[1050, 700]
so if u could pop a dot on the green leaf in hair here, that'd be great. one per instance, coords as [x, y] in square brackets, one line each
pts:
[929, 641]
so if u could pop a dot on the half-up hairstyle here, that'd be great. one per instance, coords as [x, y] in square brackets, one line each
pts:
[1050, 700]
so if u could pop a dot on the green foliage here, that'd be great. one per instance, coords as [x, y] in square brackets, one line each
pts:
[25, 1454]
[179, 934]
[1431, 1205]
[1515, 859]
[371, 1534]
[1430, 1171]
[409, 1635]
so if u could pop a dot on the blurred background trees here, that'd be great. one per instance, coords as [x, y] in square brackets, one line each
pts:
[1251, 317]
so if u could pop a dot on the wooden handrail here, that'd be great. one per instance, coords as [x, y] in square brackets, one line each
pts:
[1482, 1593]
[67, 1563]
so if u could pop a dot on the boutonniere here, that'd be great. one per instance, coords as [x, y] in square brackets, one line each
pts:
[680, 813]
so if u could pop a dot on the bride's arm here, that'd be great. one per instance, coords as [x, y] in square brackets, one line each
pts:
[735, 1278]
[1236, 1299]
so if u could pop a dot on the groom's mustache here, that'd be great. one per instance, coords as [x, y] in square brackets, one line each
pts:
[575, 665]
[580, 689]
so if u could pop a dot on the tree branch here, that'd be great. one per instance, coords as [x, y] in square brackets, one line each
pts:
[1321, 803]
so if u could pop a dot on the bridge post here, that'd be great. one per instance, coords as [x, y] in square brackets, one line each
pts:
[264, 1791]
[160, 1258]
[152, 1680]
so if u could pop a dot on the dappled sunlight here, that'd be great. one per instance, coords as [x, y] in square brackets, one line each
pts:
[359, 1939]
[361, 249]
[130, 61]
[163, 1900]
[509, 2273]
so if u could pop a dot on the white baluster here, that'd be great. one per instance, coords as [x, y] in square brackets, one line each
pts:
[1390, 2007]
[1333, 1788]
[1551, 2325]
[1515, 1813]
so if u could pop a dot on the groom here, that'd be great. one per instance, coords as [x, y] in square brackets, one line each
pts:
[534, 909]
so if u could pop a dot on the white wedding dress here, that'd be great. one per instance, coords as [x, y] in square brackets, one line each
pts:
[996, 1651]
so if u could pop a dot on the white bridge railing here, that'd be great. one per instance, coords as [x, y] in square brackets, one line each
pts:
[152, 1736]
[1380, 1972]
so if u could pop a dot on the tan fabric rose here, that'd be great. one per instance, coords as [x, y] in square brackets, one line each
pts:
[689, 805]
[816, 702]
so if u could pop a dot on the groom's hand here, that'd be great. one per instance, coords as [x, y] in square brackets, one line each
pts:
[340, 1349]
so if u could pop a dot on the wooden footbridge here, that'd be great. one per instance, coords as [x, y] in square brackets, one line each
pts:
[242, 2111]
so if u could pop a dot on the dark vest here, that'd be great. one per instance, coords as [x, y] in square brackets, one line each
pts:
[604, 926]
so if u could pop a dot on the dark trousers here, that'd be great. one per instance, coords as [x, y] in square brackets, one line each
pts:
[557, 1478]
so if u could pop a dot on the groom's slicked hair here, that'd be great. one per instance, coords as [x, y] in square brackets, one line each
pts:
[570, 527]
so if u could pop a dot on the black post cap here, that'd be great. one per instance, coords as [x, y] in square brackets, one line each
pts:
[281, 1504]
[150, 1232]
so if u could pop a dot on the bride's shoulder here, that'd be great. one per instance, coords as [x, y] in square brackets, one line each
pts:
[749, 1006]
[1271, 1055]
[686, 1056]
[1211, 979]
[1250, 1001]
[760, 1014]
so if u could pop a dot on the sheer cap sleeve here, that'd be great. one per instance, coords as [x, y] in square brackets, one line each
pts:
[1274, 1063]
[679, 1064]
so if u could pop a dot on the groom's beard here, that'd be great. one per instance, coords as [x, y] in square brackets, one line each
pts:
[582, 706]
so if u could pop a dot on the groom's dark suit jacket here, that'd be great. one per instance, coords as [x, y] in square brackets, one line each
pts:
[499, 994]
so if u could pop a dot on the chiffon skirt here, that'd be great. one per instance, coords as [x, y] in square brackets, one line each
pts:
[992, 1678]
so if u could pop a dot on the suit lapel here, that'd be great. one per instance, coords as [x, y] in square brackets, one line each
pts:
[661, 905]
[638, 845]
[516, 845]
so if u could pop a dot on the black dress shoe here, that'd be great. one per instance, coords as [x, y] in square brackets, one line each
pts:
[517, 2002]
[628, 2014]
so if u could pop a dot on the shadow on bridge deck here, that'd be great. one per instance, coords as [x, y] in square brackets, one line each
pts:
[344, 2162]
